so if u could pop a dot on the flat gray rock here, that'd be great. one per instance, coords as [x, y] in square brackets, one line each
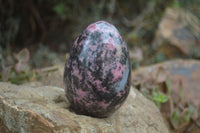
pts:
[44, 109]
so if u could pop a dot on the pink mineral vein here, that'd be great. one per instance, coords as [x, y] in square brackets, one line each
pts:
[91, 27]
[119, 94]
[116, 74]
[103, 89]
[77, 73]
[82, 94]
[103, 104]
[94, 47]
[111, 46]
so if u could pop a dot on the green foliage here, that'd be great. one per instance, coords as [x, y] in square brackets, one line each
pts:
[169, 85]
[177, 3]
[182, 115]
[60, 9]
[133, 35]
[19, 78]
[158, 97]
[188, 113]
[175, 118]
[159, 57]
[180, 91]
[134, 65]
[194, 53]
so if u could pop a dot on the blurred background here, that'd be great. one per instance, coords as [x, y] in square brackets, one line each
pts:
[153, 29]
[39, 33]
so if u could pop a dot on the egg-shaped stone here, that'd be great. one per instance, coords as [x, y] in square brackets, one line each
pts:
[97, 71]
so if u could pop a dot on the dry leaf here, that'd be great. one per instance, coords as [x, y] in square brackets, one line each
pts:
[159, 74]
[23, 55]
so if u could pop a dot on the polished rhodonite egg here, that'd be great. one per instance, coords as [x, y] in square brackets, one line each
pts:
[97, 71]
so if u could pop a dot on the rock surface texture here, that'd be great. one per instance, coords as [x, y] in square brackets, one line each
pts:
[44, 109]
[180, 29]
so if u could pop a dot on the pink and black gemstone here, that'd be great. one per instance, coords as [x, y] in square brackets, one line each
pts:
[97, 71]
